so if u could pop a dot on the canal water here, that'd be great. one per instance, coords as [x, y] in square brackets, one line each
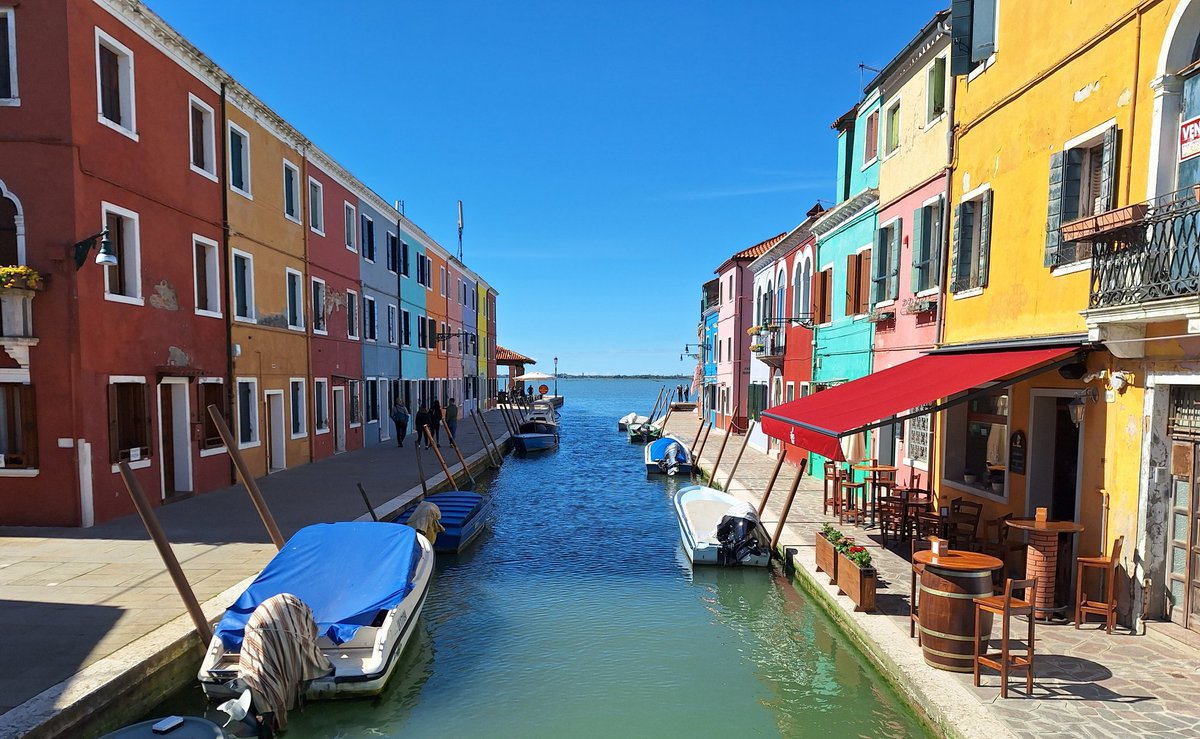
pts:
[579, 615]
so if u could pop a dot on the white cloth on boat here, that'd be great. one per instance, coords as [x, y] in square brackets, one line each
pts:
[280, 654]
[740, 509]
[427, 519]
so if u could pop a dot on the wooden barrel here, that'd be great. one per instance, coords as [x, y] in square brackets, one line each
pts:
[947, 615]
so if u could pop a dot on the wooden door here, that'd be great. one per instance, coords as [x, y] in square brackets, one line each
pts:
[166, 425]
[1183, 544]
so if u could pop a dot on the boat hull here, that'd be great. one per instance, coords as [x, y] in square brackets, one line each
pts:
[701, 548]
[465, 515]
[653, 453]
[526, 443]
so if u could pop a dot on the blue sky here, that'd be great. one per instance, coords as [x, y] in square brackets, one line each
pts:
[610, 155]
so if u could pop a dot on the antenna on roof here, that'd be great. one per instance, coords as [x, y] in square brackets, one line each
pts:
[862, 68]
[460, 224]
[400, 206]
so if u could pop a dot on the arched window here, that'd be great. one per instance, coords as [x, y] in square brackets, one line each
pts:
[803, 283]
[12, 229]
[781, 309]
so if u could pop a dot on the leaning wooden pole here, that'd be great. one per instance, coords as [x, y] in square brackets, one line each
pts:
[246, 477]
[696, 441]
[479, 430]
[487, 429]
[370, 508]
[762, 504]
[737, 460]
[721, 453]
[787, 505]
[441, 460]
[421, 467]
[159, 537]
[696, 456]
[670, 409]
[458, 452]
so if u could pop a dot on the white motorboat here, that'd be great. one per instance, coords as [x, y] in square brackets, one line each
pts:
[365, 583]
[631, 419]
[542, 411]
[716, 528]
[667, 456]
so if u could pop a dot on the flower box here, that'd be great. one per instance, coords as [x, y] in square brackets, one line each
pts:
[856, 582]
[757, 347]
[1083, 229]
[754, 330]
[914, 306]
[827, 558]
[881, 316]
[21, 278]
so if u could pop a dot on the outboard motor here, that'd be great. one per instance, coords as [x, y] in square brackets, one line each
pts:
[738, 535]
[671, 459]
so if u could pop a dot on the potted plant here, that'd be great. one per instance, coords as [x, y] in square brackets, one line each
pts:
[856, 576]
[20, 277]
[756, 347]
[754, 330]
[827, 557]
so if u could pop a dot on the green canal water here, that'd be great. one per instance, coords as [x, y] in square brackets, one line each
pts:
[579, 615]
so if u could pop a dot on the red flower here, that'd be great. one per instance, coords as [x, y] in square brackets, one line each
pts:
[856, 550]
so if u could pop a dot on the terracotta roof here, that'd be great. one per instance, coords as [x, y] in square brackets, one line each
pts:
[759, 249]
[508, 355]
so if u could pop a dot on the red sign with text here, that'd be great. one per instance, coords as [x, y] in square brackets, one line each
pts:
[1189, 139]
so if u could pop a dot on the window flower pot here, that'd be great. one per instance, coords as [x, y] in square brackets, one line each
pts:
[21, 278]
[827, 558]
[1090, 226]
[756, 347]
[857, 583]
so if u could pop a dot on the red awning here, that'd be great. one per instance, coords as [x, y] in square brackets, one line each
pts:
[818, 421]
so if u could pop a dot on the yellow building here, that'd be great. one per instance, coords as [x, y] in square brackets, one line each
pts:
[1067, 120]
[268, 286]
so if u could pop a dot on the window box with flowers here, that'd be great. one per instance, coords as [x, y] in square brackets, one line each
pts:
[21, 278]
[827, 556]
[754, 330]
[855, 575]
[757, 347]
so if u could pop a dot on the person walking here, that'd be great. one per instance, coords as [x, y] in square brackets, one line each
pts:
[452, 418]
[687, 390]
[419, 425]
[435, 421]
[400, 418]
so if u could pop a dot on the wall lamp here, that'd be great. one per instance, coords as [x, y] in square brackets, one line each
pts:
[1078, 405]
[106, 256]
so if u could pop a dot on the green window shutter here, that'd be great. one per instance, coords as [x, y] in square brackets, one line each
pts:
[893, 266]
[920, 253]
[935, 244]
[985, 237]
[960, 36]
[1054, 209]
[983, 30]
[878, 258]
[1108, 170]
[960, 266]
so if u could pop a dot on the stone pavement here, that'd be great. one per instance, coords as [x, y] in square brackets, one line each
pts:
[72, 597]
[1087, 683]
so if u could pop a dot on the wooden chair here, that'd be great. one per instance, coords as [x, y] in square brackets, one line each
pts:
[964, 523]
[833, 489]
[891, 518]
[996, 543]
[1006, 606]
[914, 618]
[854, 503]
[1108, 606]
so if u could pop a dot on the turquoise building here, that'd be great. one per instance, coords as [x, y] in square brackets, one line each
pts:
[709, 313]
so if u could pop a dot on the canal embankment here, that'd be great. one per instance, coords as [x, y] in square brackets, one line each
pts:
[1087, 683]
[98, 634]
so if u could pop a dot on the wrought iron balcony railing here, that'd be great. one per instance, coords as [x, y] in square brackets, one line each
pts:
[1154, 256]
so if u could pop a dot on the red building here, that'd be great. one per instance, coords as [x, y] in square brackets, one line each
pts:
[798, 356]
[105, 131]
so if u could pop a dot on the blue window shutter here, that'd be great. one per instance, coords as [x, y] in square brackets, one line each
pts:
[1054, 209]
[1108, 170]
[983, 30]
[985, 237]
[960, 36]
[893, 266]
[920, 255]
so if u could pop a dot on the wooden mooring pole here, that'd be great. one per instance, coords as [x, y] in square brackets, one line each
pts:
[441, 460]
[787, 505]
[696, 440]
[721, 453]
[696, 456]
[421, 468]
[495, 444]
[762, 504]
[159, 537]
[462, 461]
[247, 478]
[737, 460]
[483, 439]
[370, 508]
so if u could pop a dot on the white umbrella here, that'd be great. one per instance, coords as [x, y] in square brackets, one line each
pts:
[531, 376]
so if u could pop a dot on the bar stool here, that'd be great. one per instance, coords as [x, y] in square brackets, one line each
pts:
[1005, 606]
[854, 498]
[833, 490]
[1106, 607]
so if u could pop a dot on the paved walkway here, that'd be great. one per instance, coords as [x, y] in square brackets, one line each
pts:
[72, 597]
[1087, 684]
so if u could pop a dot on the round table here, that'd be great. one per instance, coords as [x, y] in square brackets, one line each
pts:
[1041, 559]
[873, 479]
[950, 583]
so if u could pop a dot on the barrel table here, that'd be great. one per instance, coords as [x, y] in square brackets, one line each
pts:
[950, 583]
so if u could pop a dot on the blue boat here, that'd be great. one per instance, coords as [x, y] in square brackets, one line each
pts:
[667, 456]
[536, 436]
[464, 515]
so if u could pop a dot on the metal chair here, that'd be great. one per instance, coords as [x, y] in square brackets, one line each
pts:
[1006, 606]
[1108, 606]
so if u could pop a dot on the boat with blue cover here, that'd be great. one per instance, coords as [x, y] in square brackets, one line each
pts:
[464, 516]
[536, 436]
[365, 584]
[667, 456]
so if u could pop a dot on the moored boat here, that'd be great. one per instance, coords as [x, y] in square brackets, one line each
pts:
[465, 515]
[718, 529]
[668, 456]
[644, 433]
[624, 422]
[535, 436]
[365, 584]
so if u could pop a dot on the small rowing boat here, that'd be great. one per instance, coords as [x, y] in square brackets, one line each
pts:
[465, 515]
[624, 422]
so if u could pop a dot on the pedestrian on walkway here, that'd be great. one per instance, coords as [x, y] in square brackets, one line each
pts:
[400, 418]
[687, 389]
[452, 418]
[435, 421]
[420, 424]
[679, 393]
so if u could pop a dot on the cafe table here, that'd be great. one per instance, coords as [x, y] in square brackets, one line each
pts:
[950, 583]
[1041, 559]
[873, 471]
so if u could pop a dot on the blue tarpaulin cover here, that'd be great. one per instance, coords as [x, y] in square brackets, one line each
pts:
[345, 572]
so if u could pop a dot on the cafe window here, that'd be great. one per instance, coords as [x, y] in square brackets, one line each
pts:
[976, 453]
[128, 422]
[212, 392]
[917, 437]
[18, 427]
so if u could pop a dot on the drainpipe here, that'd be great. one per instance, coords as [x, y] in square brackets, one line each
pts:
[306, 289]
[944, 261]
[227, 273]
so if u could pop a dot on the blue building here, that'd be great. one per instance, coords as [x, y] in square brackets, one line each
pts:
[378, 253]
[416, 281]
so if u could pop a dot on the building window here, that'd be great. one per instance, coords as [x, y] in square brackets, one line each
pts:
[123, 281]
[927, 243]
[871, 139]
[355, 403]
[972, 243]
[128, 422]
[206, 277]
[1082, 176]
[976, 441]
[756, 400]
[973, 34]
[885, 281]
[371, 401]
[382, 393]
[858, 283]
[295, 299]
[8, 58]
[351, 314]
[422, 329]
[370, 319]
[318, 306]
[390, 256]
[18, 423]
[239, 160]
[404, 258]
[114, 85]
[432, 333]
[935, 90]
[291, 191]
[391, 324]
[917, 436]
[243, 286]
[420, 268]
[299, 402]
[349, 215]
[211, 392]
[316, 206]
[802, 282]
[203, 137]
[320, 405]
[247, 405]
[368, 238]
[442, 280]
[891, 129]
[405, 328]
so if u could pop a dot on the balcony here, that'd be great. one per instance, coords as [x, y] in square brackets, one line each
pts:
[16, 314]
[769, 345]
[1145, 269]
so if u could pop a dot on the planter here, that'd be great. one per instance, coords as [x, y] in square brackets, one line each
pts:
[1086, 228]
[827, 558]
[857, 583]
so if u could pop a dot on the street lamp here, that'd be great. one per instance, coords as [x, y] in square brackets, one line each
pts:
[556, 377]
[106, 256]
